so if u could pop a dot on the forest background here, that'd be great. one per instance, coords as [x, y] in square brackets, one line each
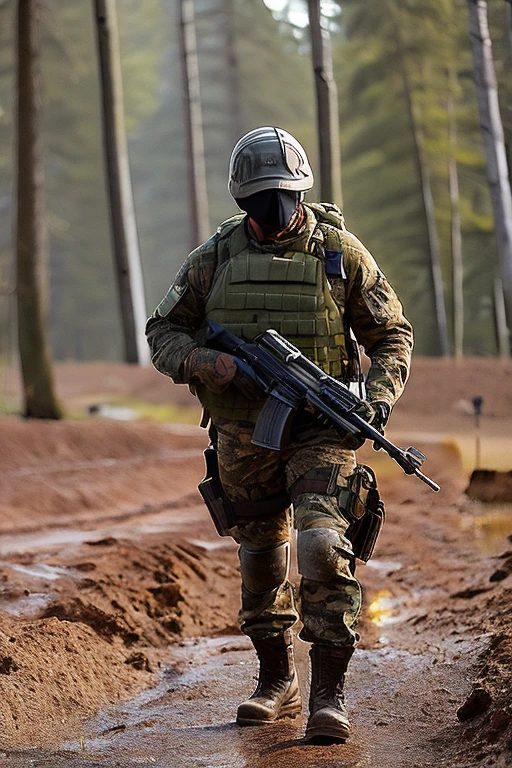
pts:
[262, 77]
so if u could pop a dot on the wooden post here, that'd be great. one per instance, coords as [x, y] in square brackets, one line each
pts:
[122, 214]
[197, 194]
[327, 108]
[31, 235]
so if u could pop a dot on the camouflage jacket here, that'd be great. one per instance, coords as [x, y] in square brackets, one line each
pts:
[372, 308]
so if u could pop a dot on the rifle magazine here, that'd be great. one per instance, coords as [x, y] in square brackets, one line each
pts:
[273, 426]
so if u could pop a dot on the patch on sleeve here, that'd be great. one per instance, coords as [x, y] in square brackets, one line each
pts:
[173, 296]
[381, 300]
[334, 264]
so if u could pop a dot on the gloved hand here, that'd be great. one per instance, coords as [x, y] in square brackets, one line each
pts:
[382, 412]
[217, 370]
[380, 418]
[376, 414]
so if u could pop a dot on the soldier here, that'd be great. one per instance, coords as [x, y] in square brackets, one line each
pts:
[292, 266]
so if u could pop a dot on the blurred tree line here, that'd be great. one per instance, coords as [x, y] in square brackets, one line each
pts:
[405, 78]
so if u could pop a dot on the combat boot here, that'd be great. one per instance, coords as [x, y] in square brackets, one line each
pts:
[277, 693]
[328, 720]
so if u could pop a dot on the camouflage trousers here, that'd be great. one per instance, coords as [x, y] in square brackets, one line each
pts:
[329, 597]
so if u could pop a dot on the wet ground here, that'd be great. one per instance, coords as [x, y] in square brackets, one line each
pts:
[402, 707]
[403, 703]
[431, 601]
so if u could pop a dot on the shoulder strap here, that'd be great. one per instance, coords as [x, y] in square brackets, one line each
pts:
[331, 224]
[328, 237]
[231, 233]
[328, 213]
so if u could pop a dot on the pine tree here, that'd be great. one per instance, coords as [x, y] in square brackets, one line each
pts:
[40, 400]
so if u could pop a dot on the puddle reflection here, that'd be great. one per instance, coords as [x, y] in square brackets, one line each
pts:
[386, 609]
[491, 524]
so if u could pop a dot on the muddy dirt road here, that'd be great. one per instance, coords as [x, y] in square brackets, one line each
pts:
[118, 637]
[105, 600]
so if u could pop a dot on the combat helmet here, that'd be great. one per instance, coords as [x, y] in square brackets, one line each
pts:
[268, 158]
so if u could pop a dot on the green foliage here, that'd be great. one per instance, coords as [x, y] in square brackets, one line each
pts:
[265, 78]
[430, 41]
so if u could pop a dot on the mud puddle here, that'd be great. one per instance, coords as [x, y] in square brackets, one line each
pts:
[188, 718]
[490, 524]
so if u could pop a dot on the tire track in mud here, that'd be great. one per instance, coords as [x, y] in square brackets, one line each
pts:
[34, 537]
[107, 463]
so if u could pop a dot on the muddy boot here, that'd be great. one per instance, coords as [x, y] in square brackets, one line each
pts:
[328, 721]
[277, 693]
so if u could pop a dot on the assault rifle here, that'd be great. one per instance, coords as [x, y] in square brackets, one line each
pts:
[291, 381]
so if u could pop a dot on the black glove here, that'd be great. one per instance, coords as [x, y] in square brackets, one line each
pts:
[382, 412]
[376, 414]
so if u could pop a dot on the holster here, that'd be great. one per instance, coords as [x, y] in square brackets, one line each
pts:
[359, 502]
[365, 509]
[226, 513]
[218, 504]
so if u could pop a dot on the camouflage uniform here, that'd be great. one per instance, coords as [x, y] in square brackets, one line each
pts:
[330, 596]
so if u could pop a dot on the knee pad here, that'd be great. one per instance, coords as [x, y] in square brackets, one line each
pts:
[323, 554]
[264, 569]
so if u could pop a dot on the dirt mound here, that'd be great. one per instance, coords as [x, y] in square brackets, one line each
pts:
[113, 606]
[54, 473]
[443, 385]
[490, 486]
[53, 674]
[151, 594]
[486, 713]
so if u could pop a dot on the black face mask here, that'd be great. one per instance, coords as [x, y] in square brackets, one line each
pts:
[272, 209]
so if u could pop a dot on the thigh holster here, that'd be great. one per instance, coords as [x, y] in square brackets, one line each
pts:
[226, 513]
[358, 501]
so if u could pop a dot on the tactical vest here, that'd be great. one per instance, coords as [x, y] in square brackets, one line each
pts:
[255, 290]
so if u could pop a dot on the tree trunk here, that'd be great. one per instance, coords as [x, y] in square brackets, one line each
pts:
[31, 237]
[326, 108]
[426, 195]
[500, 320]
[455, 230]
[123, 226]
[508, 16]
[492, 134]
[233, 72]
[197, 194]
